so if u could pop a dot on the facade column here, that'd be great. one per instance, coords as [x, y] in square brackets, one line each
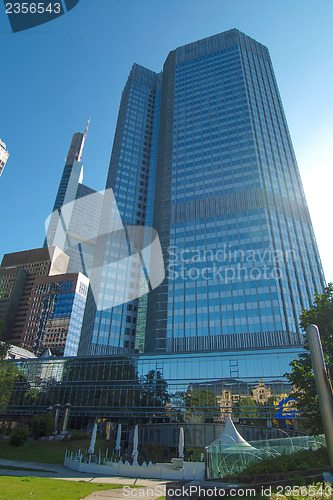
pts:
[56, 418]
[66, 418]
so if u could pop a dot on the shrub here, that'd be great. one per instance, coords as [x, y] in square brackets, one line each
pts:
[78, 435]
[19, 436]
[300, 460]
[190, 454]
[154, 452]
[42, 425]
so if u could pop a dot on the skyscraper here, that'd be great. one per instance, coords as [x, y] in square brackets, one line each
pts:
[3, 156]
[202, 152]
[131, 176]
[230, 208]
[77, 209]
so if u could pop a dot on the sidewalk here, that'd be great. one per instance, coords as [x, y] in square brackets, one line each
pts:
[149, 488]
[146, 493]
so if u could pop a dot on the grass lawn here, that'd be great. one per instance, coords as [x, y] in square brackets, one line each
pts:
[52, 452]
[40, 488]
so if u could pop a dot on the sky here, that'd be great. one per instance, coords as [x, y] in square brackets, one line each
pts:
[54, 77]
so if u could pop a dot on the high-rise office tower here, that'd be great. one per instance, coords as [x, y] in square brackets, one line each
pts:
[203, 150]
[230, 206]
[3, 156]
[77, 210]
[18, 274]
[131, 176]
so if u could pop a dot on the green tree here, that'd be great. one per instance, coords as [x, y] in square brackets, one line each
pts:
[4, 346]
[42, 425]
[301, 376]
[19, 436]
[9, 374]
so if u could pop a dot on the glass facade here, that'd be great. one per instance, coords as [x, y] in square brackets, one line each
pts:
[170, 388]
[56, 313]
[241, 257]
[132, 178]
[202, 152]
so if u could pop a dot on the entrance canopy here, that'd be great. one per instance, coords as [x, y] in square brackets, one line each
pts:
[231, 436]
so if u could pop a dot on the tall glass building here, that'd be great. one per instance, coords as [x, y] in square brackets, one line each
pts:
[202, 152]
[76, 212]
[131, 176]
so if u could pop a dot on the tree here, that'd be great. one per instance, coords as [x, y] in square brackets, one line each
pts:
[9, 374]
[4, 346]
[42, 425]
[19, 436]
[301, 376]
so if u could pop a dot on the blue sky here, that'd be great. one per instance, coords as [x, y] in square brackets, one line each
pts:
[56, 76]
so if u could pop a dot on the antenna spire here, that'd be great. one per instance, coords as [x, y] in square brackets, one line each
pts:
[86, 130]
[83, 140]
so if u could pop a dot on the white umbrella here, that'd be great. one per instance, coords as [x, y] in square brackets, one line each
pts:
[93, 439]
[135, 446]
[181, 443]
[118, 439]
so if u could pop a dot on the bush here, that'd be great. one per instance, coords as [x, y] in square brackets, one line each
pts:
[78, 435]
[154, 452]
[19, 436]
[42, 425]
[300, 460]
[189, 454]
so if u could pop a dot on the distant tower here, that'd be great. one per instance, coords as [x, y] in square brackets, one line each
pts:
[3, 156]
[83, 210]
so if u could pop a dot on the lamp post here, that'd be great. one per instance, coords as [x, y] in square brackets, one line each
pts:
[322, 384]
